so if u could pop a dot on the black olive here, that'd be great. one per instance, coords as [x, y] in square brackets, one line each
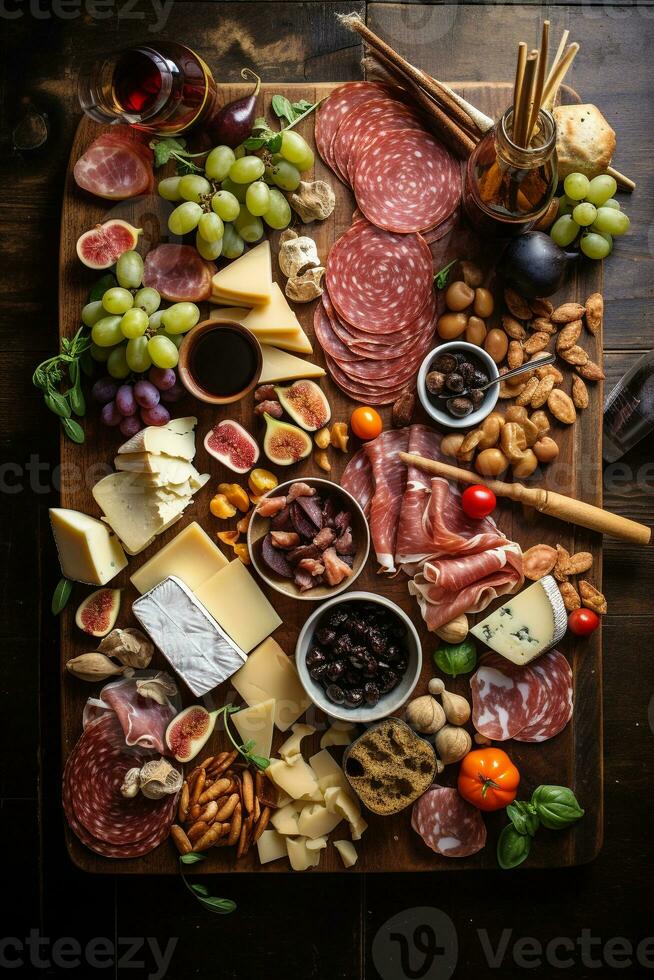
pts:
[377, 641]
[393, 653]
[326, 636]
[335, 693]
[357, 660]
[370, 665]
[338, 617]
[358, 626]
[388, 680]
[336, 669]
[354, 697]
[351, 678]
[455, 382]
[459, 407]
[476, 397]
[343, 644]
[435, 382]
[467, 371]
[445, 363]
[315, 656]
[479, 378]
[319, 673]
[371, 692]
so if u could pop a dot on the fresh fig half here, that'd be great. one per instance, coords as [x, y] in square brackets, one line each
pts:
[232, 445]
[284, 443]
[98, 613]
[189, 731]
[101, 246]
[306, 403]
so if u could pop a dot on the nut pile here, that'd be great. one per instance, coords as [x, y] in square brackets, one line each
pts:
[223, 803]
[543, 559]
[516, 439]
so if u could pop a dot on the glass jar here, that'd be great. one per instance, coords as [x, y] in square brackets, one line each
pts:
[163, 90]
[507, 188]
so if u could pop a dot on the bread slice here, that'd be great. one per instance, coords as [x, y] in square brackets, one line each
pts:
[585, 143]
[389, 766]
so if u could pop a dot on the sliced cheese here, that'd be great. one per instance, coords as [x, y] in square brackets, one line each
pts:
[272, 323]
[160, 469]
[316, 844]
[191, 556]
[529, 624]
[337, 736]
[235, 600]
[136, 513]
[337, 801]
[285, 820]
[291, 748]
[88, 551]
[328, 772]
[316, 821]
[271, 847]
[347, 851]
[280, 366]
[298, 780]
[247, 279]
[300, 856]
[269, 673]
[255, 724]
[176, 438]
[237, 313]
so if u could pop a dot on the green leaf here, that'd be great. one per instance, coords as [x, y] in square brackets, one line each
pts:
[100, 287]
[77, 401]
[301, 107]
[61, 595]
[282, 108]
[523, 816]
[186, 167]
[442, 275]
[57, 404]
[193, 857]
[512, 848]
[164, 148]
[87, 364]
[201, 890]
[304, 114]
[455, 659]
[274, 144]
[222, 906]
[260, 124]
[556, 806]
[73, 371]
[254, 142]
[73, 430]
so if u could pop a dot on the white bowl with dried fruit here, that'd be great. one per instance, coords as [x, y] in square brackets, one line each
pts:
[448, 384]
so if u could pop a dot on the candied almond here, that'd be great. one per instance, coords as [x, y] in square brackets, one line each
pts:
[580, 395]
[590, 371]
[571, 599]
[569, 335]
[541, 307]
[561, 406]
[536, 343]
[567, 313]
[516, 304]
[574, 355]
[578, 563]
[524, 398]
[594, 312]
[542, 392]
[592, 598]
[513, 327]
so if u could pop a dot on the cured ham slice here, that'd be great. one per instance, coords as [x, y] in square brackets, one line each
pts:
[143, 720]
[178, 273]
[115, 167]
[529, 704]
[410, 543]
[389, 476]
[357, 480]
[447, 823]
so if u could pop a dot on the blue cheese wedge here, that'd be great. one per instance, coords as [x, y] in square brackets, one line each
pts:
[191, 640]
[531, 623]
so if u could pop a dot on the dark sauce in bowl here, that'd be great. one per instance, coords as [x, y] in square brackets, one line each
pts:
[223, 361]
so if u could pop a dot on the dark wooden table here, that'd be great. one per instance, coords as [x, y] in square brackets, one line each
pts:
[587, 921]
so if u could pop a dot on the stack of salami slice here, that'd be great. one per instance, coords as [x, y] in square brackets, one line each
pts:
[378, 313]
[98, 813]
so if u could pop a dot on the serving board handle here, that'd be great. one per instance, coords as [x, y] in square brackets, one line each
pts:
[545, 501]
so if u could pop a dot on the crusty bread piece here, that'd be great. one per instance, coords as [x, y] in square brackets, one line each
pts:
[389, 766]
[585, 142]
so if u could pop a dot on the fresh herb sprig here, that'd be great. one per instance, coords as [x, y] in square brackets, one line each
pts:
[67, 366]
[553, 807]
[443, 274]
[220, 906]
[244, 749]
[172, 148]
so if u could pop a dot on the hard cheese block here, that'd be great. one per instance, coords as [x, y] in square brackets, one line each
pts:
[166, 469]
[190, 639]
[280, 366]
[273, 323]
[529, 624]
[255, 724]
[88, 551]
[269, 673]
[176, 438]
[246, 280]
[134, 512]
[235, 600]
[191, 556]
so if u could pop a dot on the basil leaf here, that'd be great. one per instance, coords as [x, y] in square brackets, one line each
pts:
[73, 371]
[556, 806]
[61, 595]
[442, 275]
[57, 403]
[523, 817]
[301, 106]
[101, 286]
[73, 430]
[512, 848]
[282, 108]
[223, 906]
[77, 401]
[455, 659]
[201, 890]
[193, 857]
[164, 149]
[87, 364]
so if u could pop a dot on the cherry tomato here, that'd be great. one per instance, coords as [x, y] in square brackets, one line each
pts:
[583, 622]
[478, 501]
[366, 422]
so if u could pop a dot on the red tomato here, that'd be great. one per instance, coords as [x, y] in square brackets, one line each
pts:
[478, 501]
[582, 622]
[366, 422]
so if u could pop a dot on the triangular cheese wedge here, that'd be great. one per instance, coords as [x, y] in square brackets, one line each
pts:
[271, 323]
[136, 513]
[237, 313]
[167, 469]
[256, 724]
[176, 438]
[247, 279]
[280, 366]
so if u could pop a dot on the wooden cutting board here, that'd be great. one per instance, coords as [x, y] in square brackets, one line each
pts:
[573, 758]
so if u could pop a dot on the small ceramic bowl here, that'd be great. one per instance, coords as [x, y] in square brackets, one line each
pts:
[388, 703]
[184, 366]
[430, 403]
[259, 527]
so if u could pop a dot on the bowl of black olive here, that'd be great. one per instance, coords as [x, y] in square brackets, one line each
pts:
[359, 657]
[449, 383]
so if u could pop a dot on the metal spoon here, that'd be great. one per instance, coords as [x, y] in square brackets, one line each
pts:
[529, 366]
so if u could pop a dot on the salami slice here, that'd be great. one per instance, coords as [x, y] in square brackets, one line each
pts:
[504, 697]
[328, 339]
[555, 676]
[379, 281]
[178, 273]
[376, 117]
[334, 109]
[447, 823]
[406, 181]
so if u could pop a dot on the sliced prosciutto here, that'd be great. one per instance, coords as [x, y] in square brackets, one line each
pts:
[143, 720]
[447, 823]
[410, 543]
[178, 273]
[389, 476]
[115, 167]
[357, 480]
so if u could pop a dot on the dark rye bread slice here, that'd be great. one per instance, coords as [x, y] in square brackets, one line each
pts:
[389, 766]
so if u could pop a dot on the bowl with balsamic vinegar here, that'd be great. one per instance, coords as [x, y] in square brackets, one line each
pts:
[219, 361]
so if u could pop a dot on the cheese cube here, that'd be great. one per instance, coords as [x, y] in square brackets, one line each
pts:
[136, 513]
[285, 820]
[247, 279]
[175, 438]
[298, 780]
[280, 366]
[269, 673]
[236, 601]
[271, 847]
[291, 748]
[317, 821]
[300, 856]
[255, 724]
[347, 851]
[88, 551]
[529, 624]
[316, 844]
[191, 556]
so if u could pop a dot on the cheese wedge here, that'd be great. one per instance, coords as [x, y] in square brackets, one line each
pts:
[88, 551]
[274, 318]
[255, 724]
[169, 469]
[135, 513]
[280, 366]
[176, 438]
[237, 313]
[296, 340]
[248, 279]
[527, 625]
[191, 556]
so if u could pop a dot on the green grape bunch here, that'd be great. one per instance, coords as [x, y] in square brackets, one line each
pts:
[589, 215]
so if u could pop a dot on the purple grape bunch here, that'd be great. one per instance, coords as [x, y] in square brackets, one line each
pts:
[134, 404]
